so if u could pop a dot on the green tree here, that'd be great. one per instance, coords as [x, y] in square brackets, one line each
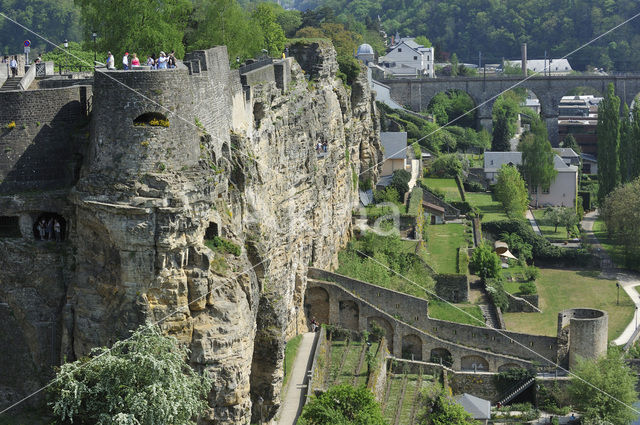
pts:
[141, 380]
[511, 191]
[447, 165]
[538, 158]
[145, 26]
[571, 143]
[423, 41]
[272, 33]
[505, 118]
[74, 58]
[400, 181]
[620, 213]
[454, 65]
[485, 262]
[343, 405]
[554, 216]
[224, 22]
[439, 409]
[634, 149]
[602, 387]
[626, 143]
[608, 131]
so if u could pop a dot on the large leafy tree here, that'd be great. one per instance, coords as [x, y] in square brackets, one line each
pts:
[272, 32]
[537, 158]
[608, 131]
[142, 380]
[145, 26]
[439, 409]
[505, 118]
[601, 389]
[620, 212]
[343, 405]
[634, 147]
[485, 262]
[626, 143]
[511, 191]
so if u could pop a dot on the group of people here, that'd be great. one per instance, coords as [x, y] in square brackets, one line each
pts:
[322, 146]
[315, 326]
[48, 230]
[13, 64]
[163, 61]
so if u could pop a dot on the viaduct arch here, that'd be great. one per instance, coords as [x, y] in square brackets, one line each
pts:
[417, 93]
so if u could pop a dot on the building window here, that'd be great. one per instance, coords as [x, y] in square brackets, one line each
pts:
[399, 49]
[415, 58]
[545, 191]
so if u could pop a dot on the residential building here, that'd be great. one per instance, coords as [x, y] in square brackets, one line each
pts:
[394, 145]
[568, 155]
[579, 117]
[478, 408]
[545, 66]
[562, 191]
[589, 164]
[406, 58]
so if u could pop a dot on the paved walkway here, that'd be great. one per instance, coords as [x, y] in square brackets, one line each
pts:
[533, 222]
[627, 280]
[297, 385]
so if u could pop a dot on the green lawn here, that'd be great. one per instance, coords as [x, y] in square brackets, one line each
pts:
[448, 186]
[442, 245]
[615, 251]
[475, 161]
[470, 314]
[490, 209]
[548, 229]
[562, 289]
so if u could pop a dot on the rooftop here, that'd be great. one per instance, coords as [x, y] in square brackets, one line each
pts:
[394, 144]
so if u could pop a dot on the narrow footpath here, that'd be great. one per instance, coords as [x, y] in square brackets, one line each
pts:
[627, 280]
[296, 390]
[533, 222]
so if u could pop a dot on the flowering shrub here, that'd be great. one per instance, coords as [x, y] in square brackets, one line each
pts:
[159, 123]
[11, 125]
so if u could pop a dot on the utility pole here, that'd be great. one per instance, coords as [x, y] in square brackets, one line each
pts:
[479, 60]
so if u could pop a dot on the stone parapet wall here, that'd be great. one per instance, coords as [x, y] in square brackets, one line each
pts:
[522, 303]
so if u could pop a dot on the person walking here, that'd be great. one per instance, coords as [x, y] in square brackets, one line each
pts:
[111, 64]
[135, 61]
[171, 60]
[57, 229]
[14, 67]
[41, 229]
[151, 61]
[162, 61]
[125, 61]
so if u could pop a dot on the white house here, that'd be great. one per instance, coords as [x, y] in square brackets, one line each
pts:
[563, 190]
[553, 66]
[394, 145]
[408, 58]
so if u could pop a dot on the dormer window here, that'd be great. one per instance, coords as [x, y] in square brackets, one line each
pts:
[399, 49]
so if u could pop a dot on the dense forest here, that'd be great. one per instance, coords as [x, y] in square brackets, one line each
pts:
[465, 27]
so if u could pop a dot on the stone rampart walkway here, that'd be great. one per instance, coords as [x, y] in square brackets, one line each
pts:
[296, 391]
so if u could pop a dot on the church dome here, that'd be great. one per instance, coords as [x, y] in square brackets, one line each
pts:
[365, 49]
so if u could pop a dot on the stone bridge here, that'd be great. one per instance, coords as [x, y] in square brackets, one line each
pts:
[417, 93]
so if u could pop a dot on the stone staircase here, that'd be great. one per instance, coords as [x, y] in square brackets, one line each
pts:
[11, 84]
[513, 392]
[490, 317]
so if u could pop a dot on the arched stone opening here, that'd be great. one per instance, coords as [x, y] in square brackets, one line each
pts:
[154, 119]
[412, 347]
[316, 304]
[50, 226]
[508, 366]
[474, 364]
[441, 356]
[349, 315]
[386, 327]
[212, 231]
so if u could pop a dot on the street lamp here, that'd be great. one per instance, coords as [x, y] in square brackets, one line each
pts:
[260, 403]
[618, 300]
[636, 317]
[94, 35]
[66, 47]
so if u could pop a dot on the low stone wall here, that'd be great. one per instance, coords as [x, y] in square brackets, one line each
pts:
[378, 376]
[523, 303]
[320, 347]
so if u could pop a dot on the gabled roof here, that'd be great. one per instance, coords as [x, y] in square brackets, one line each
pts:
[588, 157]
[478, 408]
[433, 207]
[494, 160]
[566, 152]
[394, 144]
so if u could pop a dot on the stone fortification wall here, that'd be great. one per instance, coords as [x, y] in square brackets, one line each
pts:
[584, 334]
[414, 311]
[45, 147]
[522, 303]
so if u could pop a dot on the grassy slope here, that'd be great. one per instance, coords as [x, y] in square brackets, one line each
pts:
[548, 229]
[448, 186]
[290, 352]
[615, 251]
[562, 289]
[444, 240]
[491, 210]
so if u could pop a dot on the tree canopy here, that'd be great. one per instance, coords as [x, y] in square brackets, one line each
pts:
[537, 158]
[439, 409]
[485, 262]
[343, 405]
[142, 380]
[608, 131]
[602, 388]
[511, 191]
[620, 212]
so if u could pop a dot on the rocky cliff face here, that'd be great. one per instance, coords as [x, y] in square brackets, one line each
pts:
[251, 175]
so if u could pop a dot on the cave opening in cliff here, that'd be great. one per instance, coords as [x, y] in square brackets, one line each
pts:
[155, 119]
[212, 231]
[44, 228]
[10, 227]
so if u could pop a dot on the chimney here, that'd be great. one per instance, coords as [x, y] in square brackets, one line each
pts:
[524, 59]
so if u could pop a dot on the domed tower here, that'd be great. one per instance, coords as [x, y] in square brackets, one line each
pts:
[365, 53]
[143, 121]
[583, 333]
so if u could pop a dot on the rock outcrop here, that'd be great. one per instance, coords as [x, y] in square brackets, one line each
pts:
[201, 204]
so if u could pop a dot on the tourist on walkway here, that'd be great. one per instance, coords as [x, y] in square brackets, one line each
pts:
[111, 64]
[172, 59]
[151, 61]
[125, 61]
[14, 67]
[57, 230]
[41, 229]
[135, 61]
[5, 59]
[50, 229]
[162, 61]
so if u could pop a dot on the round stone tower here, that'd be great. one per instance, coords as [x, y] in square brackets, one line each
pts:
[587, 333]
[143, 121]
